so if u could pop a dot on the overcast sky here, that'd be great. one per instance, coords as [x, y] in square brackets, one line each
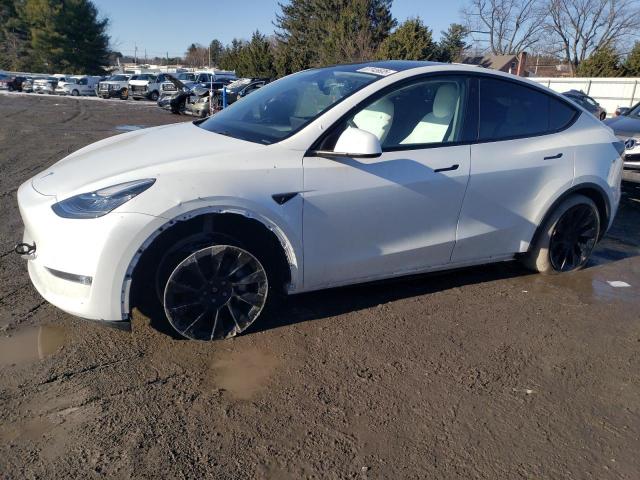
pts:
[170, 26]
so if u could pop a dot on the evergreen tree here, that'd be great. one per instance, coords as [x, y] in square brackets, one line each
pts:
[452, 43]
[230, 58]
[604, 62]
[318, 32]
[216, 50]
[632, 64]
[410, 41]
[256, 58]
[13, 37]
[65, 36]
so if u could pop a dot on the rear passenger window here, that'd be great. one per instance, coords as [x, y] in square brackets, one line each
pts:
[509, 110]
[560, 114]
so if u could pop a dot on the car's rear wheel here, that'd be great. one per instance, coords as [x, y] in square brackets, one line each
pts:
[124, 94]
[154, 96]
[567, 238]
[216, 292]
[603, 116]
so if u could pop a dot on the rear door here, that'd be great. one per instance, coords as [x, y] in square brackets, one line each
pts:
[522, 159]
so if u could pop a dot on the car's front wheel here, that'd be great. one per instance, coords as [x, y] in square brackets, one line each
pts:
[216, 292]
[567, 238]
[75, 93]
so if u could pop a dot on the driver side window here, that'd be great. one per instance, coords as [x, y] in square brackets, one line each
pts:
[429, 111]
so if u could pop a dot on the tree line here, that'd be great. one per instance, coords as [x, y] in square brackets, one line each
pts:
[592, 36]
[311, 33]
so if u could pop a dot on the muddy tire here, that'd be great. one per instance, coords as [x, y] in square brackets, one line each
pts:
[210, 286]
[566, 239]
[154, 96]
[124, 94]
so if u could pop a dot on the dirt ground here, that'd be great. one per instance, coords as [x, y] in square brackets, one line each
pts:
[487, 372]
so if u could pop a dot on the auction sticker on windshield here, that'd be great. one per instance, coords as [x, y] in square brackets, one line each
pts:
[377, 71]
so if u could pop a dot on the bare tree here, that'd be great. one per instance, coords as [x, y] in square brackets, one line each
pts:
[508, 26]
[580, 27]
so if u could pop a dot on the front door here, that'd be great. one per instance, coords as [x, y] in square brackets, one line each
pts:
[373, 218]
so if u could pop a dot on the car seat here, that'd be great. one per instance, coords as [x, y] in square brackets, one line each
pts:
[376, 118]
[434, 126]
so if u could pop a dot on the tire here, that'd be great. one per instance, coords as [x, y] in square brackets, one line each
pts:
[188, 293]
[154, 96]
[567, 237]
[603, 116]
[136, 98]
[124, 94]
[75, 93]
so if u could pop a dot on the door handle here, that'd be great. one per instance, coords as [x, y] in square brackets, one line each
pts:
[553, 157]
[448, 169]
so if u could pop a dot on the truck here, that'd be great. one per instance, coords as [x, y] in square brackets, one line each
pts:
[115, 86]
[146, 85]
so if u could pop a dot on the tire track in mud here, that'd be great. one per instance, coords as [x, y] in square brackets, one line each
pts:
[80, 109]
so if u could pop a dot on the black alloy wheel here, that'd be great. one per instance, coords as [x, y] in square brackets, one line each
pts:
[215, 293]
[573, 238]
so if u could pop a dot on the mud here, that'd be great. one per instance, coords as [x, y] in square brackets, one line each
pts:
[487, 372]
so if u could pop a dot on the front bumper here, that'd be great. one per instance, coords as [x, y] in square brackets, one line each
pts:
[98, 249]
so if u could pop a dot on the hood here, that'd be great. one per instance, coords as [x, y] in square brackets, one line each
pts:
[177, 83]
[624, 126]
[134, 155]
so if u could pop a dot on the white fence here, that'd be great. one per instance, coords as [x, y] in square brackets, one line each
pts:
[611, 93]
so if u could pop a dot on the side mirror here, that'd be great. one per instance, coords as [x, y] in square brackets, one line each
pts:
[355, 143]
[622, 111]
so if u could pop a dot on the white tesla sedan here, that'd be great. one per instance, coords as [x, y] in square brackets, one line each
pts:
[327, 177]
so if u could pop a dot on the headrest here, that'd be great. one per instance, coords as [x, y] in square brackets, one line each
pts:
[444, 105]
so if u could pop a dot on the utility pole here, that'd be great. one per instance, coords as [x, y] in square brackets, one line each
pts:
[167, 58]
[135, 53]
[209, 55]
[145, 55]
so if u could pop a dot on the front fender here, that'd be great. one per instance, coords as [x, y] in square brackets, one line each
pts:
[287, 233]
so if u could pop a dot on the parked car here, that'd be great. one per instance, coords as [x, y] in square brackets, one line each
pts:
[241, 88]
[115, 86]
[586, 102]
[197, 103]
[627, 128]
[624, 110]
[45, 85]
[78, 85]
[27, 85]
[389, 168]
[208, 77]
[11, 82]
[174, 94]
[146, 85]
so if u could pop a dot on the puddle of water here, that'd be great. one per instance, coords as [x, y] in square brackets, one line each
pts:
[31, 344]
[129, 128]
[244, 373]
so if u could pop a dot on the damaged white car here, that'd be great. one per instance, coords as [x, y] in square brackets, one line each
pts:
[327, 177]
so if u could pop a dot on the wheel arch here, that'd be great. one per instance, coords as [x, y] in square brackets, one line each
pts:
[287, 258]
[590, 190]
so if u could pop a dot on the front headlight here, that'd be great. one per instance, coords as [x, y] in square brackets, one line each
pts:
[99, 203]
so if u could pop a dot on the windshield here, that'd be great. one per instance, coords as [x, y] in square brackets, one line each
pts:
[119, 78]
[280, 109]
[635, 111]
